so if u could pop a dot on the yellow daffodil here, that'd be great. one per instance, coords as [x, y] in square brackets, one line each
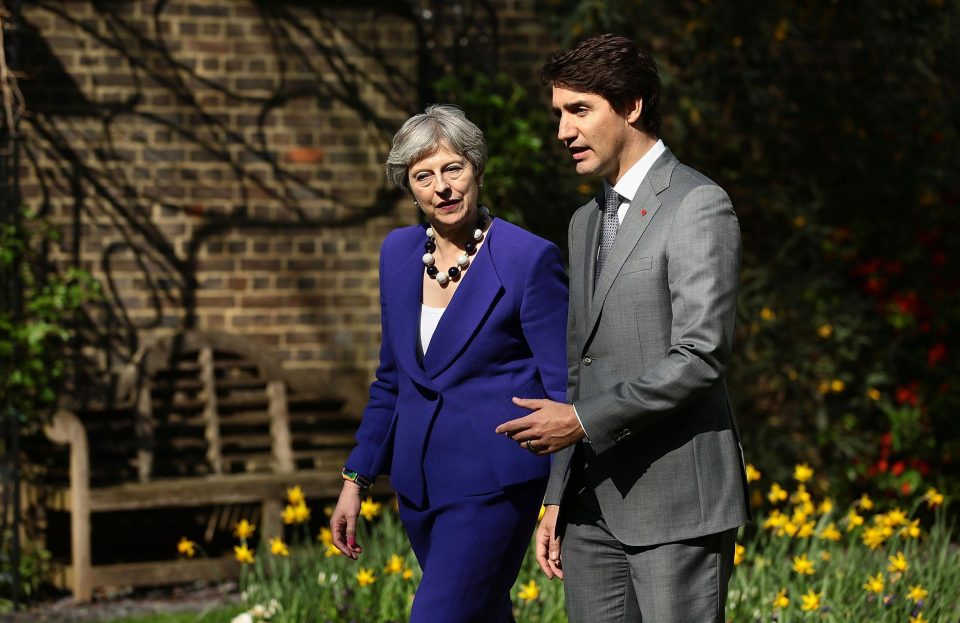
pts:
[810, 601]
[801, 496]
[865, 503]
[825, 507]
[825, 331]
[802, 472]
[328, 511]
[918, 619]
[823, 387]
[331, 551]
[394, 565]
[365, 577]
[825, 556]
[295, 495]
[898, 563]
[244, 529]
[753, 474]
[529, 591]
[933, 497]
[911, 530]
[767, 314]
[806, 530]
[780, 600]
[325, 536]
[874, 584]
[278, 547]
[289, 514]
[896, 517]
[301, 513]
[873, 537]
[738, 552]
[853, 520]
[917, 593]
[802, 512]
[775, 520]
[370, 509]
[803, 565]
[873, 394]
[837, 386]
[243, 554]
[776, 494]
[830, 533]
[186, 547]
[407, 574]
[789, 528]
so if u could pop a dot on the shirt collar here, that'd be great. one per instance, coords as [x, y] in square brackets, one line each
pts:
[630, 182]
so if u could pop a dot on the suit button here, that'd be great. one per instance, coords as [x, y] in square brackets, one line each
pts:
[587, 360]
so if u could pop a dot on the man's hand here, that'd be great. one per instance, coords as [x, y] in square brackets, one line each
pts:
[548, 544]
[551, 427]
[343, 522]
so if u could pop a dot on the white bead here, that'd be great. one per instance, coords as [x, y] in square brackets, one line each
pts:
[463, 260]
[478, 235]
[428, 259]
[430, 233]
[443, 278]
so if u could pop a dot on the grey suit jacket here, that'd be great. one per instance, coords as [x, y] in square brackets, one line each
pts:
[647, 349]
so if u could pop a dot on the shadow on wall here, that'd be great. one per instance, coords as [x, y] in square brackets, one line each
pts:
[216, 165]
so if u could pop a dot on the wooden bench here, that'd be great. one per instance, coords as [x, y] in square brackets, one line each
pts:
[200, 419]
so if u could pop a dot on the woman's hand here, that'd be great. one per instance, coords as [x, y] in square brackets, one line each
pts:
[343, 522]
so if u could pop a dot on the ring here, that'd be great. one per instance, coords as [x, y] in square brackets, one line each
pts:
[528, 446]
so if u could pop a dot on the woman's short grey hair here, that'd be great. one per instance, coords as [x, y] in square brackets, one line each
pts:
[423, 134]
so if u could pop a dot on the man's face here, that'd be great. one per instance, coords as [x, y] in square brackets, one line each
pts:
[595, 134]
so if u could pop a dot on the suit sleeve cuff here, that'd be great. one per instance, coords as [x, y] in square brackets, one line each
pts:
[586, 437]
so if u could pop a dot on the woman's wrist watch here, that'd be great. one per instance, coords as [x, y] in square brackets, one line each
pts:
[351, 476]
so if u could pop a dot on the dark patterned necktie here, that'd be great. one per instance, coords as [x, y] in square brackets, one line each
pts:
[608, 230]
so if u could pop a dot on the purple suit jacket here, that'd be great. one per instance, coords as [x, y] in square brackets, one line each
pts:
[503, 335]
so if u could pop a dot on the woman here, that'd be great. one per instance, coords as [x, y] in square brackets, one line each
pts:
[473, 312]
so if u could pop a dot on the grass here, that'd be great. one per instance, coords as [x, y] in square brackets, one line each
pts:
[804, 558]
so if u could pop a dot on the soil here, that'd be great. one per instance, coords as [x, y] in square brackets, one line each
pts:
[129, 603]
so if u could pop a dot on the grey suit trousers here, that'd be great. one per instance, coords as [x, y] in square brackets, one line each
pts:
[606, 581]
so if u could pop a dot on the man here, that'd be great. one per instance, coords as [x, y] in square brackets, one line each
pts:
[648, 486]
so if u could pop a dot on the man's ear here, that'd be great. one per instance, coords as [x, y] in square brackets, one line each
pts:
[634, 111]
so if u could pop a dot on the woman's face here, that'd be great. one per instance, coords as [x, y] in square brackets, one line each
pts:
[446, 187]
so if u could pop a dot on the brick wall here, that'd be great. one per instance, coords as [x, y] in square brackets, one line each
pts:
[216, 165]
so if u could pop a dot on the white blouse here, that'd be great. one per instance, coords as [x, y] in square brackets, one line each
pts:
[429, 319]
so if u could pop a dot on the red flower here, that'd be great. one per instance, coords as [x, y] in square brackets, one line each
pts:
[907, 394]
[921, 466]
[936, 355]
[894, 267]
[907, 303]
[897, 468]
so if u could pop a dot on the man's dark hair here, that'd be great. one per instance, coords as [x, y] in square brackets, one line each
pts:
[614, 68]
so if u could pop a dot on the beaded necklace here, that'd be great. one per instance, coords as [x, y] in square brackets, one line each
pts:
[463, 260]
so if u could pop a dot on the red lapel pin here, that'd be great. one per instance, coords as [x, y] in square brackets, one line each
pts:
[643, 212]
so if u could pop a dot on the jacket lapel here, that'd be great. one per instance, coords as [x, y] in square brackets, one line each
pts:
[465, 314]
[632, 228]
[403, 307]
[591, 244]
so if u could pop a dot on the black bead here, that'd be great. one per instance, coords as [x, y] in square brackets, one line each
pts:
[481, 221]
[432, 271]
[430, 246]
[454, 272]
[470, 248]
